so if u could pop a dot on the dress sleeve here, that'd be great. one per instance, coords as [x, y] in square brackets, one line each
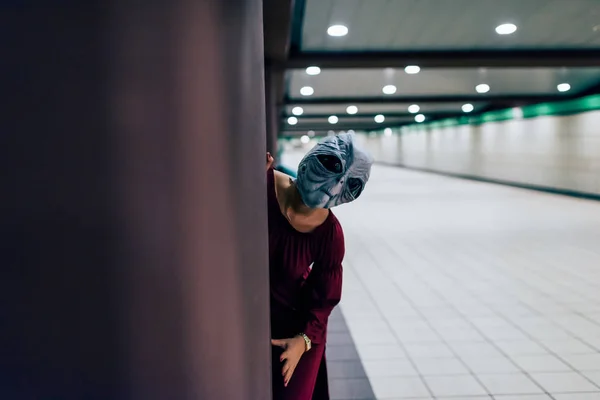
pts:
[323, 287]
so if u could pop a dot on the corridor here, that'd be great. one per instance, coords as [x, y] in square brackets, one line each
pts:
[466, 290]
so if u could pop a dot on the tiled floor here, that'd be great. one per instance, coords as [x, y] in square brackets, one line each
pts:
[463, 290]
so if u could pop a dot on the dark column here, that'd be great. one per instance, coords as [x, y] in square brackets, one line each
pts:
[272, 83]
[132, 207]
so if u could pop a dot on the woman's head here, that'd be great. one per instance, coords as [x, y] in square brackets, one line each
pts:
[333, 172]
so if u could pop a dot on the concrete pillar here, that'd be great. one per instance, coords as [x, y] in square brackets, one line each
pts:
[132, 217]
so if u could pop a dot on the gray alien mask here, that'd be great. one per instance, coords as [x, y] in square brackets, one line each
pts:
[333, 172]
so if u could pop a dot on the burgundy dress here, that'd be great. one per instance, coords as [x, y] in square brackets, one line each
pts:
[302, 297]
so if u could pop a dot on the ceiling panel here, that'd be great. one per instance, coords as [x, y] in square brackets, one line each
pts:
[451, 24]
[369, 82]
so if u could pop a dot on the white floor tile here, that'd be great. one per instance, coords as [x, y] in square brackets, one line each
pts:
[594, 376]
[469, 350]
[563, 382]
[509, 384]
[584, 362]
[440, 366]
[578, 396]
[567, 346]
[490, 365]
[522, 397]
[541, 363]
[425, 350]
[389, 368]
[385, 388]
[460, 385]
[520, 347]
[380, 352]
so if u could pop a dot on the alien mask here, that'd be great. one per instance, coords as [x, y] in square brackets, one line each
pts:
[333, 172]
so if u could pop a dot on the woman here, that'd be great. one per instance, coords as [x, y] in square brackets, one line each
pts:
[306, 246]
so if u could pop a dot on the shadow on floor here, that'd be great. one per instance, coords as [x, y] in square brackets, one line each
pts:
[347, 377]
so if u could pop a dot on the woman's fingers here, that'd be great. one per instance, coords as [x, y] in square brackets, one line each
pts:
[286, 368]
[279, 342]
[288, 376]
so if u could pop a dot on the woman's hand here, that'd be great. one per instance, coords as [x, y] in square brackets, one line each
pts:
[270, 161]
[293, 348]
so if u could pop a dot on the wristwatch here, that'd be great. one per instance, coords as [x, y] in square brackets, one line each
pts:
[307, 341]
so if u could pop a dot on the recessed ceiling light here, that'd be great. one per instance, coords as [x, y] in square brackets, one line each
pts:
[506, 29]
[313, 70]
[379, 118]
[387, 131]
[482, 88]
[297, 110]
[307, 91]
[413, 109]
[419, 118]
[337, 30]
[389, 89]
[333, 119]
[412, 69]
[292, 120]
[563, 87]
[305, 139]
[352, 110]
[311, 133]
[467, 108]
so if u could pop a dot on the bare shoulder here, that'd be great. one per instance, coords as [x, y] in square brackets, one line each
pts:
[281, 180]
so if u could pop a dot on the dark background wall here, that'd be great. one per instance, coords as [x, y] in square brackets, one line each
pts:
[132, 208]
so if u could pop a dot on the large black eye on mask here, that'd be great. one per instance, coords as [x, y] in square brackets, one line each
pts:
[355, 187]
[331, 163]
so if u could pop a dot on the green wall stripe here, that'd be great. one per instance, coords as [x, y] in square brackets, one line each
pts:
[559, 108]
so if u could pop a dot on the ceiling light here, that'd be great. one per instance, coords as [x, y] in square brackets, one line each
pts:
[311, 133]
[297, 110]
[313, 70]
[387, 131]
[292, 120]
[333, 119]
[337, 30]
[389, 89]
[563, 87]
[305, 139]
[482, 88]
[506, 29]
[379, 118]
[412, 69]
[413, 109]
[467, 108]
[307, 91]
[419, 118]
[352, 110]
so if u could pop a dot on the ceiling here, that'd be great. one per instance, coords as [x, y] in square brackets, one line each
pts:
[455, 44]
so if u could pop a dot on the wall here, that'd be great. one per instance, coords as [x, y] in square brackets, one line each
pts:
[549, 151]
